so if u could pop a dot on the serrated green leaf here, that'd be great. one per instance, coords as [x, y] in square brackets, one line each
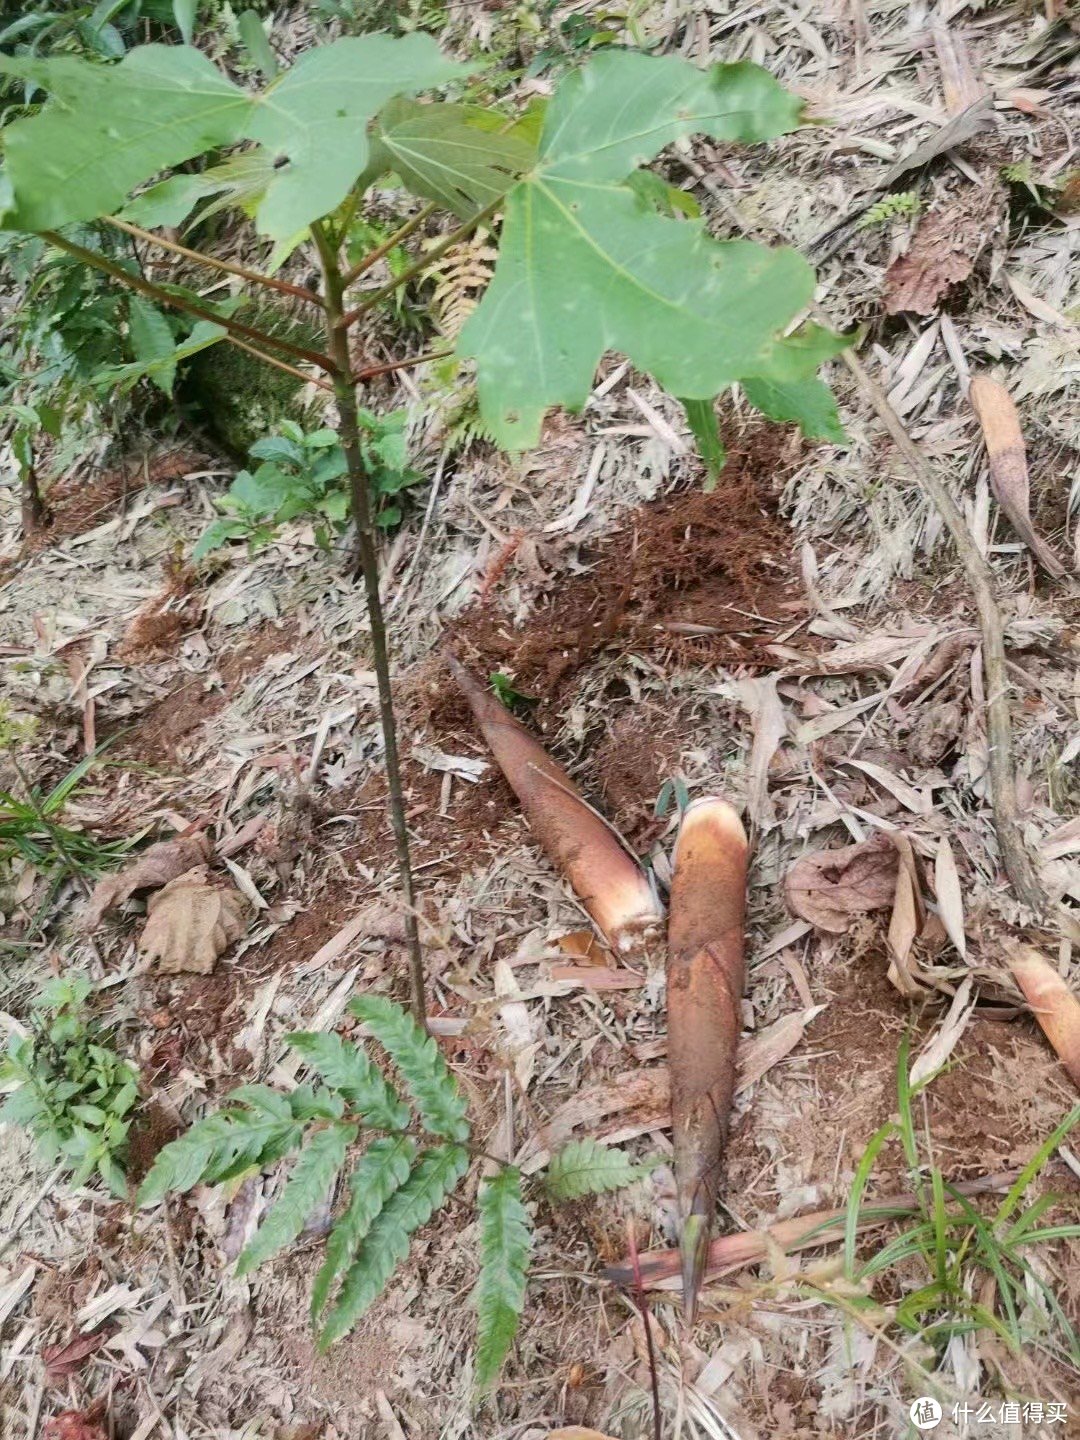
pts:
[345, 1068]
[585, 1167]
[441, 1104]
[436, 1175]
[108, 128]
[314, 120]
[808, 402]
[230, 1140]
[505, 1243]
[153, 342]
[382, 1169]
[585, 266]
[457, 155]
[316, 1165]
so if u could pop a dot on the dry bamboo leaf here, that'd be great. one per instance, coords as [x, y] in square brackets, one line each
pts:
[577, 1432]
[149, 871]
[941, 1045]
[190, 923]
[759, 699]
[942, 253]
[906, 923]
[949, 896]
[1053, 1004]
[761, 1052]
[834, 886]
[1007, 459]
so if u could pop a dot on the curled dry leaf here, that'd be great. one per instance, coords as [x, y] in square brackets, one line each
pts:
[149, 871]
[191, 922]
[1007, 458]
[78, 1424]
[907, 920]
[62, 1361]
[705, 974]
[1053, 1004]
[605, 877]
[832, 887]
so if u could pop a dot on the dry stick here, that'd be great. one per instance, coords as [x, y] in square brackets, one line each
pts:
[299, 292]
[97, 261]
[403, 232]
[980, 577]
[643, 1309]
[364, 519]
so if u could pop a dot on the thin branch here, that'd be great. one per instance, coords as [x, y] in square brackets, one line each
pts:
[180, 302]
[418, 267]
[980, 577]
[403, 232]
[199, 258]
[369, 372]
[366, 542]
[305, 375]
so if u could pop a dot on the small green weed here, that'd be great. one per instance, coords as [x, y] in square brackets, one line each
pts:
[305, 473]
[31, 828]
[69, 1089]
[889, 207]
[957, 1249]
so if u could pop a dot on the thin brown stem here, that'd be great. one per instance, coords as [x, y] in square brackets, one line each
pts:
[180, 302]
[198, 257]
[305, 375]
[418, 267]
[366, 541]
[369, 372]
[403, 232]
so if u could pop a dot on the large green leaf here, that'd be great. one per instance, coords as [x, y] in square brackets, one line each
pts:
[505, 1242]
[586, 265]
[110, 128]
[460, 156]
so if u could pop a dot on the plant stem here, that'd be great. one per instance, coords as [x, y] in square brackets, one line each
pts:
[403, 232]
[199, 258]
[366, 537]
[426, 260]
[304, 375]
[101, 262]
[369, 372]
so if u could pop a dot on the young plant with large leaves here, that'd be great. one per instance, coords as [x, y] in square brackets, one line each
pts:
[408, 1155]
[592, 256]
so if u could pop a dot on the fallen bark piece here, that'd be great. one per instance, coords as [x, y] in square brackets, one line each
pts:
[149, 871]
[661, 1269]
[605, 877]
[705, 973]
[1007, 458]
[942, 253]
[1053, 1004]
[832, 887]
[190, 923]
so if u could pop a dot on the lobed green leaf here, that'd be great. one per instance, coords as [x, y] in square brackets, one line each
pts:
[505, 1244]
[441, 1104]
[382, 1169]
[312, 1175]
[436, 1175]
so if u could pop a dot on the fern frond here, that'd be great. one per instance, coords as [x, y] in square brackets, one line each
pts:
[904, 202]
[441, 1104]
[218, 1147]
[317, 1164]
[460, 278]
[505, 1243]
[346, 1069]
[387, 1244]
[382, 1169]
[585, 1167]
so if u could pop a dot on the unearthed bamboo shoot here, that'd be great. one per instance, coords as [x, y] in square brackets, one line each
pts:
[1054, 1005]
[605, 877]
[704, 990]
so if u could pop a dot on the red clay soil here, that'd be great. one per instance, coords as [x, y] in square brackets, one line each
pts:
[693, 577]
